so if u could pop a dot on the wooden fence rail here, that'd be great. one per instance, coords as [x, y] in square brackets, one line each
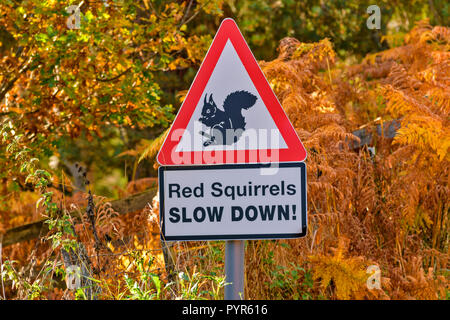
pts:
[35, 229]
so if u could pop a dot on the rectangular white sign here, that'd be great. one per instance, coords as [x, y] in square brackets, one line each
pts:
[232, 202]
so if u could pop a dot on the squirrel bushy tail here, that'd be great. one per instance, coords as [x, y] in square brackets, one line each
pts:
[234, 103]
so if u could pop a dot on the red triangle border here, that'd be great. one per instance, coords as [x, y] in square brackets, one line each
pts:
[228, 30]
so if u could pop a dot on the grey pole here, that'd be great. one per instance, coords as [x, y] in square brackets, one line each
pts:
[234, 269]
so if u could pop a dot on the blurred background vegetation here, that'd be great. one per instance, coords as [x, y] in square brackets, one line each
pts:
[147, 54]
[85, 109]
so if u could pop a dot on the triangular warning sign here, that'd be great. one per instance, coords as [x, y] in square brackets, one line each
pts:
[230, 114]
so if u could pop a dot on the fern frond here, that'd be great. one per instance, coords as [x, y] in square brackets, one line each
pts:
[152, 149]
[347, 274]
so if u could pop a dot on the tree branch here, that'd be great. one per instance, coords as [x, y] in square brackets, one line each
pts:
[8, 86]
[114, 78]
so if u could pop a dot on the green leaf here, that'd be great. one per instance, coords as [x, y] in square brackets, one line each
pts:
[41, 37]
[89, 16]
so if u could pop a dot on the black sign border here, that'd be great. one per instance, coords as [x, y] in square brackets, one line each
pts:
[300, 165]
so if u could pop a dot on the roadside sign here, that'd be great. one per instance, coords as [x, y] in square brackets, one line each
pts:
[231, 162]
[232, 202]
[230, 114]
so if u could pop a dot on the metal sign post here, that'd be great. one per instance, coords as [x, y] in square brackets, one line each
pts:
[234, 269]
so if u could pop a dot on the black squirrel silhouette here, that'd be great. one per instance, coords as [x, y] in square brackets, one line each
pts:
[227, 126]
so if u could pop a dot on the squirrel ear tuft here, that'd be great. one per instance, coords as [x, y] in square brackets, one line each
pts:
[211, 98]
[206, 95]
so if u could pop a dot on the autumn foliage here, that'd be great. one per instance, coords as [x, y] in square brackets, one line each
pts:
[386, 206]
[382, 203]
